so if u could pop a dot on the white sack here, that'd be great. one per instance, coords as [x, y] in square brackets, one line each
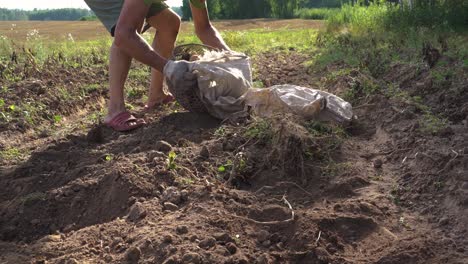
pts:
[225, 87]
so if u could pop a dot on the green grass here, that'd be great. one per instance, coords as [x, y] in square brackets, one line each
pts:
[260, 40]
[11, 154]
[316, 13]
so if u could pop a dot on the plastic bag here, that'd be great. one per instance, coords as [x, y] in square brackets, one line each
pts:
[225, 87]
[223, 77]
[306, 102]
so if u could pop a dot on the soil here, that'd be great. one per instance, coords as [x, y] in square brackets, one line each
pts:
[392, 193]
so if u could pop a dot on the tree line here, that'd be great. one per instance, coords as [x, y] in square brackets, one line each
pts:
[62, 14]
[244, 9]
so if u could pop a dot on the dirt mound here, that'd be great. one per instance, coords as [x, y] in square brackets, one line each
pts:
[188, 189]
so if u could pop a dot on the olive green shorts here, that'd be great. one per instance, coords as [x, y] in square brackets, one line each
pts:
[108, 11]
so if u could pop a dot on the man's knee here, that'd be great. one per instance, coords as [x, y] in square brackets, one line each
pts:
[168, 22]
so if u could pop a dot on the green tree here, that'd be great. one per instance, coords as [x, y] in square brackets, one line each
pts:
[283, 8]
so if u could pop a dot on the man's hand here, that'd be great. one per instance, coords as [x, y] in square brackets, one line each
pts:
[179, 76]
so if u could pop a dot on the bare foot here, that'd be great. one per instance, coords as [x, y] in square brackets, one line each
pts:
[160, 100]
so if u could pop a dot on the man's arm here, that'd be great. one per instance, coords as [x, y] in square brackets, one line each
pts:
[204, 29]
[127, 35]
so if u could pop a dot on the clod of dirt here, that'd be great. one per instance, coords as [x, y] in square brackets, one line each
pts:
[95, 135]
[171, 260]
[204, 153]
[192, 258]
[170, 207]
[263, 259]
[168, 239]
[137, 212]
[71, 261]
[182, 230]
[322, 254]
[350, 229]
[263, 235]
[171, 195]
[163, 146]
[231, 247]
[155, 154]
[223, 237]
[133, 255]
[50, 238]
[207, 243]
[444, 221]
[184, 195]
[378, 163]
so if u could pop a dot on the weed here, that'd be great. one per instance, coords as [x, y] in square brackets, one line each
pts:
[171, 161]
[220, 132]
[432, 124]
[260, 130]
[135, 93]
[334, 169]
[11, 154]
[186, 181]
[57, 119]
[108, 157]
[91, 88]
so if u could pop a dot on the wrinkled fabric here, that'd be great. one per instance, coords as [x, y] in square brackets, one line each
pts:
[225, 87]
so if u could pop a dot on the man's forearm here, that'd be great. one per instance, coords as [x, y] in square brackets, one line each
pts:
[211, 37]
[135, 46]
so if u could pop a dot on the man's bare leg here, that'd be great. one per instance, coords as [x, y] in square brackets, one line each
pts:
[119, 66]
[167, 24]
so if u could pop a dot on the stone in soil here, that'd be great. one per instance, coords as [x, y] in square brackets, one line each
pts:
[168, 239]
[170, 206]
[137, 212]
[231, 247]
[205, 153]
[182, 230]
[223, 237]
[378, 163]
[263, 235]
[133, 255]
[163, 146]
[207, 243]
[191, 258]
[171, 195]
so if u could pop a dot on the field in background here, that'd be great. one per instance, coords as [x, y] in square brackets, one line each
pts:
[91, 30]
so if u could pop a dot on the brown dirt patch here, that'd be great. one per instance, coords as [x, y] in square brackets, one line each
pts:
[112, 198]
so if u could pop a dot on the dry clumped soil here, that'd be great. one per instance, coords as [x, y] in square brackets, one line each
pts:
[241, 191]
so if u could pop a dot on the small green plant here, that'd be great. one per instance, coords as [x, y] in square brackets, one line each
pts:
[260, 130]
[10, 153]
[432, 124]
[57, 119]
[129, 106]
[108, 157]
[225, 167]
[2, 102]
[186, 181]
[220, 132]
[171, 161]
[135, 93]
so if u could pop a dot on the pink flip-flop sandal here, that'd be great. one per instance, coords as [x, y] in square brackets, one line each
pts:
[124, 122]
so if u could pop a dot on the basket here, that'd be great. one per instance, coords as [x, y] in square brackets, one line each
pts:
[189, 99]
